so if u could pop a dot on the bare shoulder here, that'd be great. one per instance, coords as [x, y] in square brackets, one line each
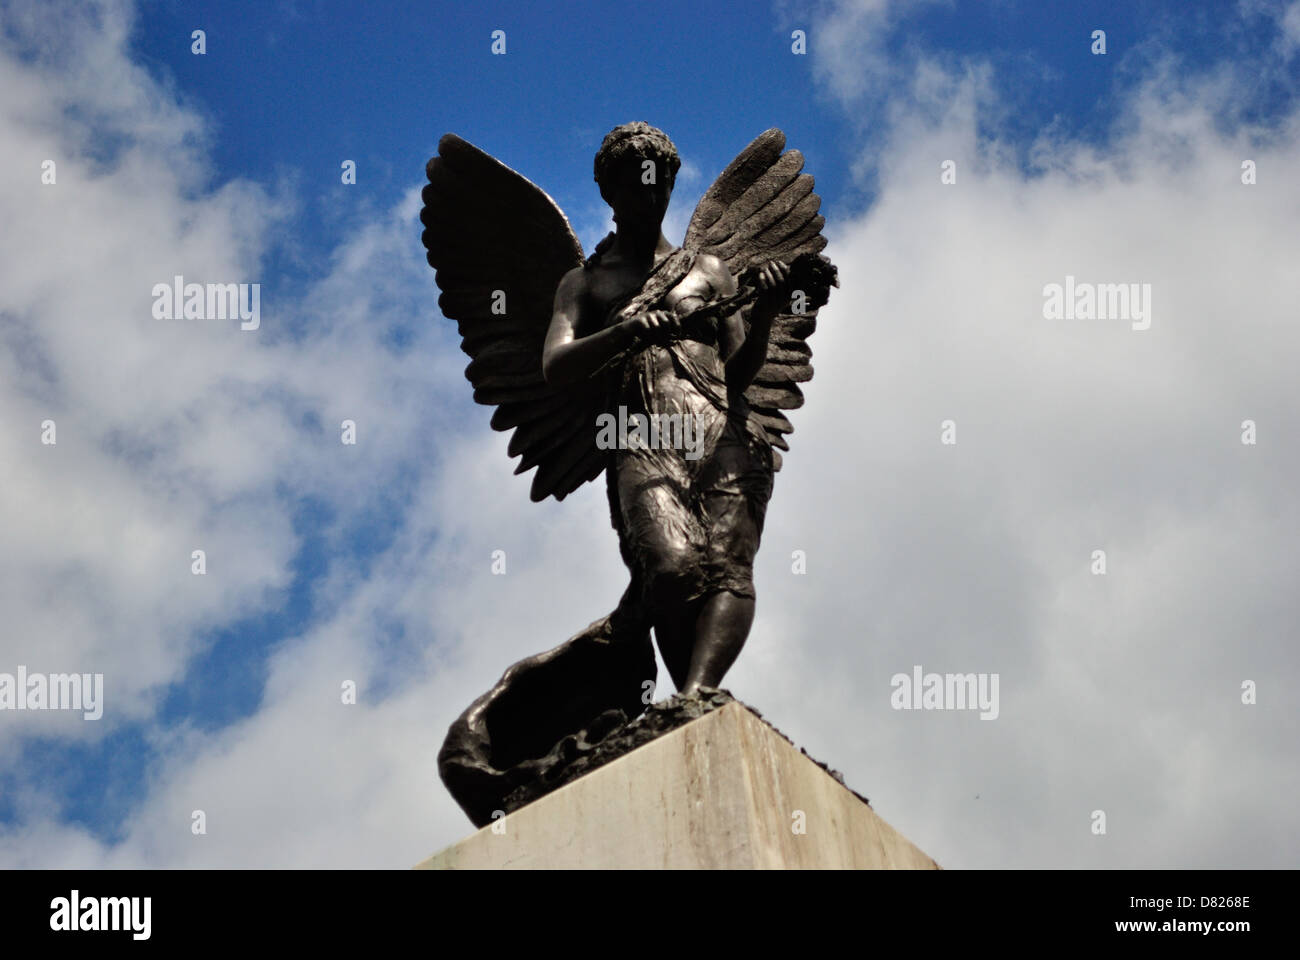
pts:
[716, 271]
[574, 280]
[572, 288]
[710, 263]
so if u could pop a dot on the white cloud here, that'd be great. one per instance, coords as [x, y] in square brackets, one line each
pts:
[1119, 693]
[849, 44]
[172, 435]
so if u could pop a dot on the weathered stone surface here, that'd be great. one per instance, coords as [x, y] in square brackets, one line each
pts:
[720, 790]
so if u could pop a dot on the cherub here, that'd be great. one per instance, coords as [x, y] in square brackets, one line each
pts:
[714, 331]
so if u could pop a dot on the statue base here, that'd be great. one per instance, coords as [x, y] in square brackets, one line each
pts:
[724, 791]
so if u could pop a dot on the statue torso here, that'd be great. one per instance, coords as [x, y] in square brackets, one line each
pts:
[610, 284]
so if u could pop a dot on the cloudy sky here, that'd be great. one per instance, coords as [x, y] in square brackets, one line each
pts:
[1169, 160]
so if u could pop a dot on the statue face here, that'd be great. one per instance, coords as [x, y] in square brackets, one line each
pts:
[634, 201]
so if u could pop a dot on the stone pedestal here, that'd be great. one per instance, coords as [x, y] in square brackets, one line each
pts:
[725, 791]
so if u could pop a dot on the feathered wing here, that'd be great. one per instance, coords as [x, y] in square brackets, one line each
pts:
[500, 245]
[762, 207]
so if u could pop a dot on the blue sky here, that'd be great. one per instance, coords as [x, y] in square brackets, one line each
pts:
[296, 87]
[284, 94]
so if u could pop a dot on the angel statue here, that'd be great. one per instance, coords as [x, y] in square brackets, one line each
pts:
[706, 342]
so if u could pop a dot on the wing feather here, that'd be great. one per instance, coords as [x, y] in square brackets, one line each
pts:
[762, 207]
[509, 415]
[499, 247]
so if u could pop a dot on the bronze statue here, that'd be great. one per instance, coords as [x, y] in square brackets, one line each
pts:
[700, 348]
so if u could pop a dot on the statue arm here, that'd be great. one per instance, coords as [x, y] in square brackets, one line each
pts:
[566, 357]
[745, 361]
[746, 352]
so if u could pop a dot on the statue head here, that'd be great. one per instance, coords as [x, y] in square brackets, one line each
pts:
[635, 168]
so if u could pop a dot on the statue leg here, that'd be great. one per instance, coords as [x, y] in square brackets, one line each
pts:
[661, 538]
[720, 633]
[737, 485]
[675, 635]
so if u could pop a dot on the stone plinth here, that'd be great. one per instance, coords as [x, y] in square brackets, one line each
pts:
[725, 791]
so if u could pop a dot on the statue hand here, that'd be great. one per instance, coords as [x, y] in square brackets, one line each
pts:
[773, 285]
[652, 326]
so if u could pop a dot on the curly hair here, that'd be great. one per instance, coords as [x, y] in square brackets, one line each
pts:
[637, 140]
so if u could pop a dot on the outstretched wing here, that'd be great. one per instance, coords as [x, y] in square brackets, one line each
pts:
[500, 245]
[762, 207]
